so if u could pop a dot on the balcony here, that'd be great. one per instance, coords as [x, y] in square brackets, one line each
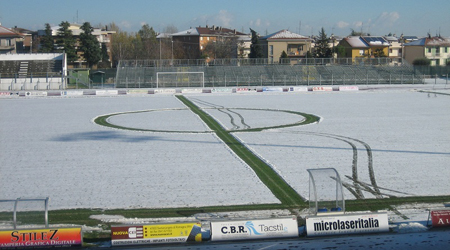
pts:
[7, 47]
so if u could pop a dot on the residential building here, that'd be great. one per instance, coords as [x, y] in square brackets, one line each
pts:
[207, 42]
[103, 36]
[395, 50]
[8, 40]
[295, 45]
[365, 46]
[437, 49]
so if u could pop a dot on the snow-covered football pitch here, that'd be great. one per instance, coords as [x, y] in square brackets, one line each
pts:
[384, 142]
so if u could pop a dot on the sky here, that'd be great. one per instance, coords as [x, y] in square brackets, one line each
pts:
[338, 17]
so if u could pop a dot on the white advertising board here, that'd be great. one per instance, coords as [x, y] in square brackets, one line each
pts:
[347, 224]
[322, 88]
[165, 91]
[348, 88]
[254, 229]
[194, 91]
[272, 89]
[300, 89]
[106, 92]
[222, 90]
[73, 93]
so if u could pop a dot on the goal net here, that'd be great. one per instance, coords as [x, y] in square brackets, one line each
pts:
[180, 79]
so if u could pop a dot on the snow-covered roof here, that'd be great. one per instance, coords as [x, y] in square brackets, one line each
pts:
[356, 42]
[284, 34]
[427, 41]
[189, 32]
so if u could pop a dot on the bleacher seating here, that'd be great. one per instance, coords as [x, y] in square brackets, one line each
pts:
[276, 74]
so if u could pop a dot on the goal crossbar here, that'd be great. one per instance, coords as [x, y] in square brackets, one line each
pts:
[180, 73]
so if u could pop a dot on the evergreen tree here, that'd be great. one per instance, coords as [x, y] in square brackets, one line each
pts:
[284, 55]
[255, 47]
[47, 43]
[322, 49]
[66, 41]
[147, 45]
[89, 45]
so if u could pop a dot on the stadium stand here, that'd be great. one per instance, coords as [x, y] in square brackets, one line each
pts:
[242, 73]
[32, 71]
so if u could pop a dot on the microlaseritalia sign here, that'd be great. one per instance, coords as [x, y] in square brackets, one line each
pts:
[347, 224]
[254, 229]
[155, 234]
[41, 238]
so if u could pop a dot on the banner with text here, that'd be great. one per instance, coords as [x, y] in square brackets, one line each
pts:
[254, 229]
[155, 234]
[347, 224]
[440, 218]
[41, 238]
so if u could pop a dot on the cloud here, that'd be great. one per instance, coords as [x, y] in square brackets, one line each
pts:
[125, 25]
[358, 24]
[386, 19]
[224, 18]
[342, 24]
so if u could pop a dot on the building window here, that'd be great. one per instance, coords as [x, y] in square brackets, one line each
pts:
[446, 49]
[438, 50]
[207, 38]
[361, 52]
[271, 50]
[429, 49]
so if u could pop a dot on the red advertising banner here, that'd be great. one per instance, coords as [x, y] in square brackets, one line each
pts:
[440, 218]
[41, 238]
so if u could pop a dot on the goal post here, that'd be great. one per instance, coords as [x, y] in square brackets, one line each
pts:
[180, 79]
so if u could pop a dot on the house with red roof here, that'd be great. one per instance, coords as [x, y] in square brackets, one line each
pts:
[207, 42]
[8, 40]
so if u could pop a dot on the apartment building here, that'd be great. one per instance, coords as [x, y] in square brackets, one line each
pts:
[437, 49]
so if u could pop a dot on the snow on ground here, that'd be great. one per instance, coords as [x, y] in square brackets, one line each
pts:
[51, 147]
[407, 132]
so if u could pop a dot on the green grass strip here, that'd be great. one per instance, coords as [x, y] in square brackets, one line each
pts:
[277, 185]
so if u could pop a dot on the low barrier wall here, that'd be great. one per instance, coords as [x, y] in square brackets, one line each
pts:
[115, 92]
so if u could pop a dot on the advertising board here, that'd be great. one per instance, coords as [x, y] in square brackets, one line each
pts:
[254, 229]
[165, 91]
[41, 238]
[272, 89]
[222, 90]
[347, 224]
[195, 91]
[322, 88]
[348, 88]
[106, 92]
[440, 218]
[299, 89]
[73, 93]
[155, 234]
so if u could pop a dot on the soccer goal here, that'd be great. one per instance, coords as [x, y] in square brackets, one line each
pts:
[180, 79]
